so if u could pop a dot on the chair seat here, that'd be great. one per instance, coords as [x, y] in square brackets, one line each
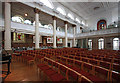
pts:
[49, 72]
[30, 59]
[78, 63]
[40, 57]
[116, 76]
[57, 77]
[40, 65]
[44, 68]
[75, 68]
[68, 65]
[95, 79]
[73, 74]
[83, 73]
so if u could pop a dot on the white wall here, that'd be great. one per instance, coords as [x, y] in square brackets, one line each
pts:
[78, 29]
[111, 31]
[110, 16]
[115, 14]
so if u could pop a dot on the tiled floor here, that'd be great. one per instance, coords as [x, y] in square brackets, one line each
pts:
[22, 72]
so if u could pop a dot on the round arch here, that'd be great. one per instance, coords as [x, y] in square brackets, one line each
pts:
[101, 24]
[61, 10]
[48, 3]
[18, 18]
[71, 16]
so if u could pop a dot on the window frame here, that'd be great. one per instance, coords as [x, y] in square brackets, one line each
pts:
[49, 2]
[77, 20]
[61, 12]
[19, 16]
[101, 41]
[71, 16]
[116, 40]
[90, 42]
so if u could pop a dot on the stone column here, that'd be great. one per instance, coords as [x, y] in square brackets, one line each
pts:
[7, 25]
[54, 32]
[37, 37]
[81, 43]
[66, 38]
[74, 43]
[87, 43]
[105, 43]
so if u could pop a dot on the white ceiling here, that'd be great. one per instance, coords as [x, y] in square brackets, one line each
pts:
[21, 9]
[86, 9]
[82, 9]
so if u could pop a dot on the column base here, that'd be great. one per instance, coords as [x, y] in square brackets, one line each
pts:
[37, 49]
[54, 47]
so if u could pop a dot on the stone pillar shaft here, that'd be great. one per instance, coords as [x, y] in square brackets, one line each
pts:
[7, 26]
[54, 32]
[37, 37]
[66, 38]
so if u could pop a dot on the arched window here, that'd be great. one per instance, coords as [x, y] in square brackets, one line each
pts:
[101, 43]
[71, 16]
[83, 22]
[90, 44]
[116, 44]
[59, 9]
[27, 22]
[50, 26]
[47, 3]
[46, 26]
[58, 28]
[18, 18]
[77, 20]
[40, 25]
[101, 24]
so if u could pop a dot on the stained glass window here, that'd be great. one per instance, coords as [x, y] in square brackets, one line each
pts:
[59, 40]
[101, 24]
[49, 40]
[18, 37]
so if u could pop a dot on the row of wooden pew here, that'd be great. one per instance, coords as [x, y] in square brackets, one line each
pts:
[102, 63]
[94, 63]
[91, 68]
[69, 71]
[54, 69]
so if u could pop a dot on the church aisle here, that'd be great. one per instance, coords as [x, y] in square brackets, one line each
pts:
[22, 72]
